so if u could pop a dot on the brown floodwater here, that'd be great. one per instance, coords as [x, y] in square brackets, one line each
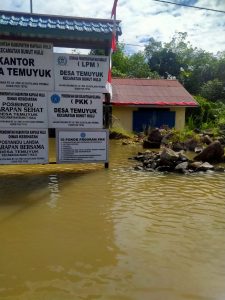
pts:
[85, 232]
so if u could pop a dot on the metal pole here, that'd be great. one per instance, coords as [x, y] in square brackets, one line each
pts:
[107, 109]
[31, 7]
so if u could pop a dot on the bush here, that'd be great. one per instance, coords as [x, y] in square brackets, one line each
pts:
[213, 90]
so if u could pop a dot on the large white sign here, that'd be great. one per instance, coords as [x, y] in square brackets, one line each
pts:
[82, 146]
[75, 110]
[23, 146]
[81, 73]
[26, 66]
[23, 109]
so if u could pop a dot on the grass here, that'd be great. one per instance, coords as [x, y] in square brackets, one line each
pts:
[120, 133]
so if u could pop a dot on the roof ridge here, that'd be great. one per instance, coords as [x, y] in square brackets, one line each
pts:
[10, 13]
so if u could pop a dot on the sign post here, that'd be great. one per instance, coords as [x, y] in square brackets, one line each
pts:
[36, 95]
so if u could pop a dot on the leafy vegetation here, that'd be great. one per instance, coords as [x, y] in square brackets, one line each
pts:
[202, 73]
[120, 133]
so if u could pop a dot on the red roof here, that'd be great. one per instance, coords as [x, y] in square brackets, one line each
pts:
[155, 92]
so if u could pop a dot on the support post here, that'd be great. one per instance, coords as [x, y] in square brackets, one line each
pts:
[107, 106]
[31, 7]
[107, 118]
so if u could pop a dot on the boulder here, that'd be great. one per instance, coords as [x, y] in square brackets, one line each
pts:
[191, 144]
[205, 167]
[151, 145]
[206, 139]
[182, 157]
[155, 135]
[212, 153]
[195, 165]
[182, 166]
[168, 154]
[166, 138]
[198, 149]
[178, 146]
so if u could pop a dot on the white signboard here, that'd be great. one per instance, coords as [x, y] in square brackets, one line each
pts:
[23, 109]
[26, 66]
[81, 73]
[23, 146]
[75, 110]
[82, 146]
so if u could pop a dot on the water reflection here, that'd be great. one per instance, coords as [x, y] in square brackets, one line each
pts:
[53, 186]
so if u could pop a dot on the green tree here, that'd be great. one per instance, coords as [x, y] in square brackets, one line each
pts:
[119, 62]
[213, 90]
[138, 67]
[168, 59]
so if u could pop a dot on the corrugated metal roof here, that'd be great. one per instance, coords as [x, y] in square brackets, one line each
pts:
[51, 26]
[156, 92]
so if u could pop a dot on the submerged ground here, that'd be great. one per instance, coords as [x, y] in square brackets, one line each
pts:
[84, 232]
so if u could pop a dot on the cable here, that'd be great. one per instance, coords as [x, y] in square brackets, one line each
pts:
[136, 45]
[197, 7]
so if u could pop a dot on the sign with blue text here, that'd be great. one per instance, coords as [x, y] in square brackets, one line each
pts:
[26, 66]
[23, 146]
[75, 146]
[23, 109]
[81, 73]
[77, 110]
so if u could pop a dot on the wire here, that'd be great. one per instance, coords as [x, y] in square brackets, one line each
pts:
[136, 45]
[197, 7]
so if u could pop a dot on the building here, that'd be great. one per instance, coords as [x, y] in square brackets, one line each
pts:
[141, 103]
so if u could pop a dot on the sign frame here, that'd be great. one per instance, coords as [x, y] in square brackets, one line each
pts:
[82, 73]
[23, 109]
[20, 141]
[75, 110]
[26, 65]
[61, 161]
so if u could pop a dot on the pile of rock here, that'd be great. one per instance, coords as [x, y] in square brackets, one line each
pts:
[158, 138]
[168, 160]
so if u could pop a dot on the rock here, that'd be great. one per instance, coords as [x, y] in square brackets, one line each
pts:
[191, 144]
[195, 165]
[154, 165]
[200, 166]
[117, 135]
[178, 146]
[166, 138]
[164, 169]
[197, 130]
[126, 142]
[212, 153]
[138, 168]
[151, 145]
[221, 139]
[219, 169]
[149, 169]
[155, 136]
[209, 133]
[169, 155]
[170, 161]
[206, 139]
[198, 149]
[182, 157]
[205, 167]
[182, 166]
[139, 157]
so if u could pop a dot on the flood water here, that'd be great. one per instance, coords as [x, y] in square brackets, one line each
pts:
[85, 232]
